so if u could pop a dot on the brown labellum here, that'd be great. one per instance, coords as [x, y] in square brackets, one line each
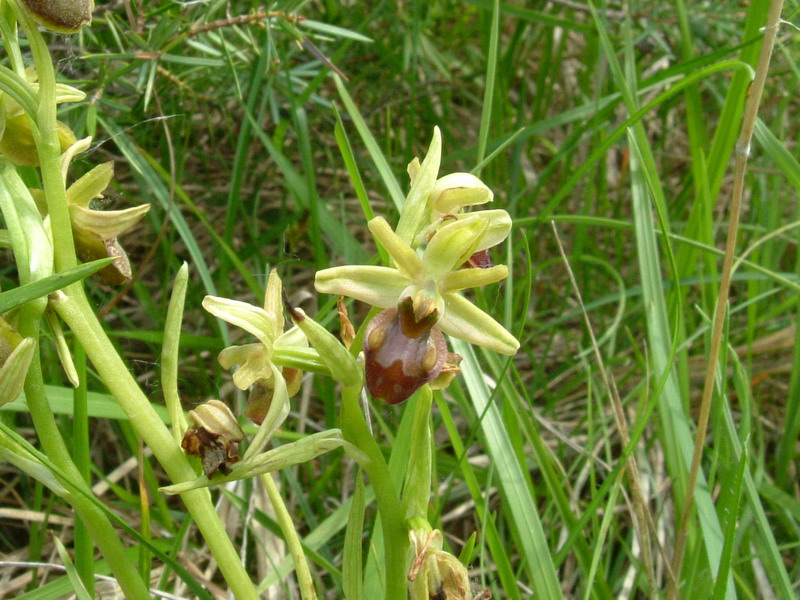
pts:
[402, 354]
[258, 402]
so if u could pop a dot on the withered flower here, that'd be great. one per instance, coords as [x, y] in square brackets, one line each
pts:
[214, 438]
[435, 573]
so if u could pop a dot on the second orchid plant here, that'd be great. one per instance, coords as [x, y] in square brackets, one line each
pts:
[439, 248]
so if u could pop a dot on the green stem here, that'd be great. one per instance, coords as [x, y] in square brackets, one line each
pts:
[49, 148]
[417, 487]
[74, 309]
[395, 536]
[304, 581]
[84, 549]
[53, 445]
[78, 314]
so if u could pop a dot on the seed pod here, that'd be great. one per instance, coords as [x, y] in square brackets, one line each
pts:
[62, 16]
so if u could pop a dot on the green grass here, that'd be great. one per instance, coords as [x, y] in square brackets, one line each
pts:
[619, 127]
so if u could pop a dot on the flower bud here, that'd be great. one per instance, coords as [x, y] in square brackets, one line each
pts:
[17, 143]
[62, 16]
[214, 438]
[16, 354]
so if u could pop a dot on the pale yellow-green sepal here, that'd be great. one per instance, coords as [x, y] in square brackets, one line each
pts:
[465, 321]
[252, 319]
[378, 286]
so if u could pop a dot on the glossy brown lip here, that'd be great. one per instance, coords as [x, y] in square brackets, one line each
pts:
[402, 354]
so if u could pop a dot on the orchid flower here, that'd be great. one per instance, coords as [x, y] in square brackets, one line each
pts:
[404, 347]
[433, 282]
[256, 362]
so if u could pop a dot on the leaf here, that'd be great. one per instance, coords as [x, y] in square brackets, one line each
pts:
[25, 293]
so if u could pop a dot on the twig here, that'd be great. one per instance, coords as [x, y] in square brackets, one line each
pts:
[643, 519]
[742, 151]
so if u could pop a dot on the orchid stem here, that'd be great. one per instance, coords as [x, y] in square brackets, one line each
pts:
[395, 536]
[304, 580]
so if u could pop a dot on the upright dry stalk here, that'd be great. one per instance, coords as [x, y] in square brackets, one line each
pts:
[642, 518]
[742, 152]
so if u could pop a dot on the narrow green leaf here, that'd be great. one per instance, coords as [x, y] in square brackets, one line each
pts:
[25, 293]
[373, 148]
[534, 548]
[352, 563]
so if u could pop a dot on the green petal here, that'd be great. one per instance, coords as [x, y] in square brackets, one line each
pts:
[406, 260]
[65, 93]
[378, 286]
[465, 321]
[452, 245]
[106, 224]
[273, 300]
[251, 318]
[254, 370]
[470, 278]
[456, 190]
[78, 147]
[238, 355]
[91, 185]
[414, 215]
[253, 361]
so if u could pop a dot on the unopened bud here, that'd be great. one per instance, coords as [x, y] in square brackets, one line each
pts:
[16, 354]
[17, 143]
